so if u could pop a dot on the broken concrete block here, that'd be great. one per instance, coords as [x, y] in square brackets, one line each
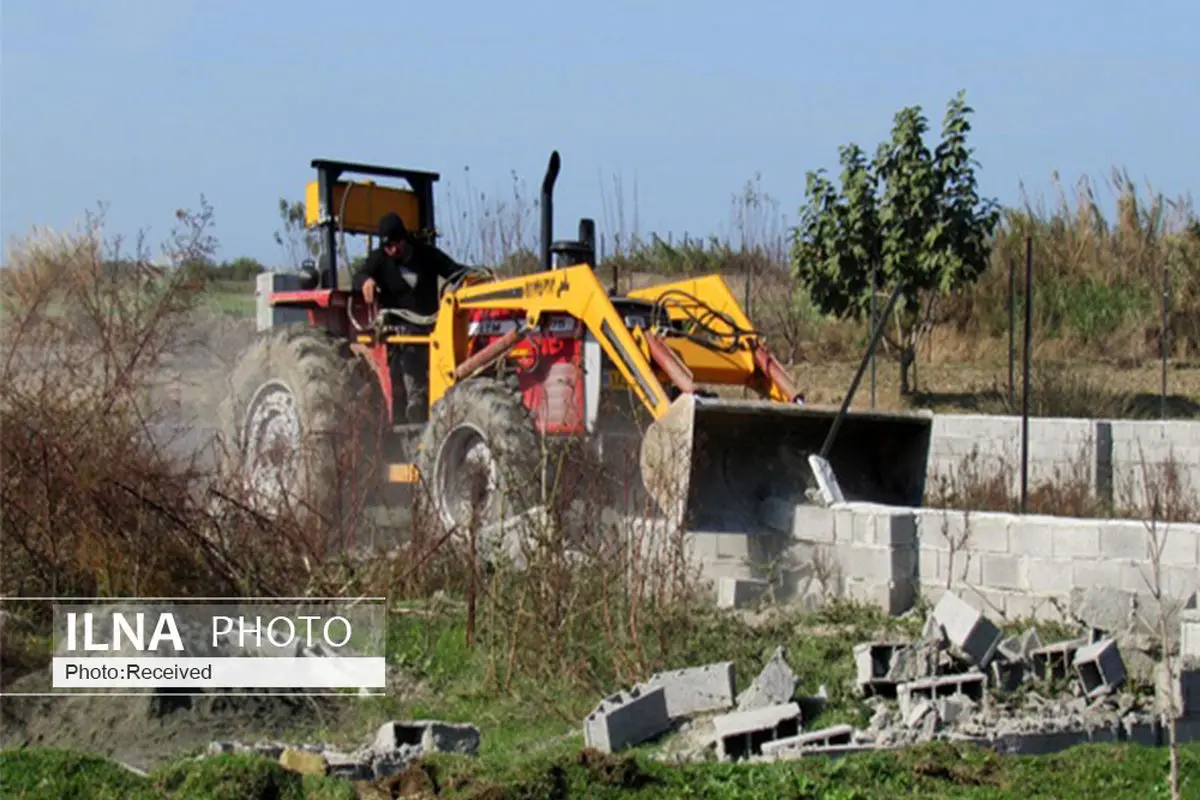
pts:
[973, 634]
[742, 734]
[1006, 673]
[873, 664]
[952, 709]
[697, 689]
[826, 737]
[1019, 648]
[915, 661]
[348, 766]
[917, 712]
[428, 735]
[774, 685]
[626, 719]
[740, 592]
[1182, 690]
[1099, 667]
[968, 684]
[829, 490]
[1055, 661]
[1189, 636]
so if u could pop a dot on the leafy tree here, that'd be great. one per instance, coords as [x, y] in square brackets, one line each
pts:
[299, 243]
[908, 216]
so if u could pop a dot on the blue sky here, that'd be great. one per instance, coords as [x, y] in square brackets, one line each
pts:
[145, 104]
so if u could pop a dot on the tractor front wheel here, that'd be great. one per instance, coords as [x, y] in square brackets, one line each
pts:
[480, 457]
[304, 425]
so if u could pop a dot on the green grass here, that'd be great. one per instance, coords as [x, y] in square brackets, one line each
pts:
[929, 771]
[232, 298]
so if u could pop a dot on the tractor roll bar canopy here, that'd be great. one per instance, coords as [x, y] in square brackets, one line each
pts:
[330, 171]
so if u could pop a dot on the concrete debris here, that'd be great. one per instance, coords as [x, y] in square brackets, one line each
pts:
[837, 735]
[776, 684]
[970, 685]
[874, 665]
[1189, 635]
[626, 719]
[972, 634]
[961, 680]
[742, 734]
[395, 746]
[1056, 661]
[1179, 693]
[1099, 667]
[696, 690]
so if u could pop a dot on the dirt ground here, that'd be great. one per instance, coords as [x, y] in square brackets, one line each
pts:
[146, 731]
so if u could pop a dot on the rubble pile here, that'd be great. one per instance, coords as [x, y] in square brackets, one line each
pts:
[961, 680]
[396, 745]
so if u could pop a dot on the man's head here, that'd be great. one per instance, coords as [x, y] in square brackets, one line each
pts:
[392, 234]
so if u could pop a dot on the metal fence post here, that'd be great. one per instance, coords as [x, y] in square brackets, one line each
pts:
[1028, 358]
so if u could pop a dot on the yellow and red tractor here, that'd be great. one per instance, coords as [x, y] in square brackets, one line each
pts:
[519, 364]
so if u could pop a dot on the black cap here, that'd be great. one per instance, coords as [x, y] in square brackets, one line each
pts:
[391, 229]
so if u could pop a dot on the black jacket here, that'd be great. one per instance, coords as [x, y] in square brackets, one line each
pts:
[410, 282]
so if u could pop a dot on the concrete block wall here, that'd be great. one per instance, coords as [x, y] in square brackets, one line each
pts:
[1106, 454]
[1005, 564]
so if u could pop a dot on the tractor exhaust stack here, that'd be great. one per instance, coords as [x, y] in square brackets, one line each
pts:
[548, 208]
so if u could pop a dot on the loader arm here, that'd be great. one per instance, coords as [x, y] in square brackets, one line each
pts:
[736, 355]
[574, 291]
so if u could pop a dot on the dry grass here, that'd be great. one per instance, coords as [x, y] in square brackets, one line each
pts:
[1097, 295]
[94, 504]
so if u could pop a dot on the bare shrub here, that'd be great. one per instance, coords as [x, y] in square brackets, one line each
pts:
[94, 501]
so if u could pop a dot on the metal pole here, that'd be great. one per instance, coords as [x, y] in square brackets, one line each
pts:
[862, 367]
[1163, 337]
[874, 322]
[1026, 387]
[1012, 331]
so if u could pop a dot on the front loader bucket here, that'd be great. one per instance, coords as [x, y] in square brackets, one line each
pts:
[716, 465]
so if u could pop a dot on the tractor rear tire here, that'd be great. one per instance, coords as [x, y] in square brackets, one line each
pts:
[480, 458]
[305, 426]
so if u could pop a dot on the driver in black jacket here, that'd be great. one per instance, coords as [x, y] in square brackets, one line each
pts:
[403, 273]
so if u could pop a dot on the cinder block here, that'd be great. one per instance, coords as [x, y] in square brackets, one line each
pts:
[1179, 545]
[967, 629]
[1099, 667]
[865, 562]
[1034, 541]
[1123, 540]
[743, 733]
[826, 737]
[1074, 539]
[1006, 673]
[814, 524]
[1047, 577]
[873, 664]
[1056, 660]
[968, 684]
[1022, 646]
[1182, 688]
[627, 719]
[1189, 635]
[929, 566]
[431, 735]
[776, 684]
[696, 690]
[740, 592]
[988, 533]
[1089, 573]
[1001, 571]
[896, 529]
